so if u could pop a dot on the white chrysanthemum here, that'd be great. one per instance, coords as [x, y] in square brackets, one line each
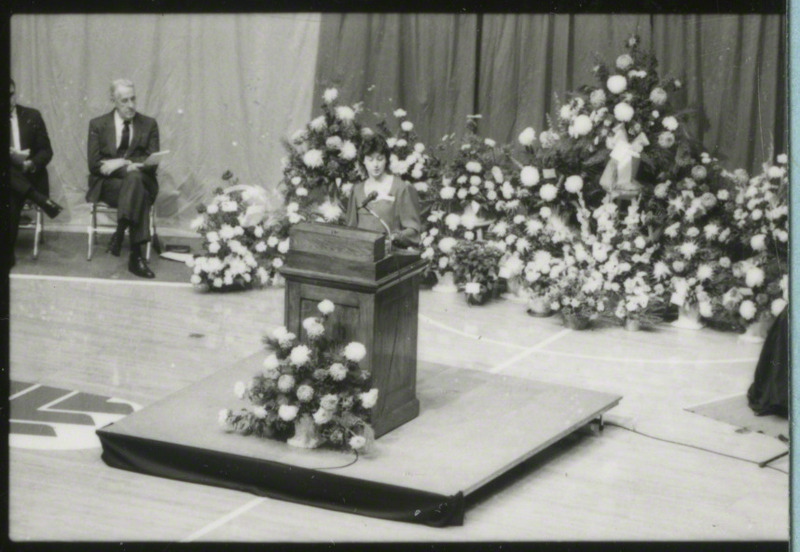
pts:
[473, 166]
[355, 351]
[758, 242]
[313, 327]
[300, 355]
[330, 95]
[666, 139]
[447, 244]
[747, 309]
[489, 142]
[259, 412]
[565, 112]
[329, 401]
[330, 211]
[527, 137]
[573, 184]
[777, 306]
[399, 113]
[660, 270]
[305, 393]
[705, 309]
[407, 126]
[452, 221]
[287, 412]
[472, 288]
[775, 172]
[597, 98]
[345, 113]
[704, 271]
[582, 125]
[370, 398]
[670, 123]
[357, 442]
[782, 159]
[318, 124]
[443, 262]
[337, 371]
[271, 362]
[326, 306]
[313, 158]
[658, 96]
[623, 112]
[529, 176]
[545, 212]
[348, 151]
[754, 277]
[548, 192]
[688, 249]
[283, 247]
[616, 84]
[624, 62]
[724, 262]
[213, 247]
[285, 383]
[469, 220]
[678, 266]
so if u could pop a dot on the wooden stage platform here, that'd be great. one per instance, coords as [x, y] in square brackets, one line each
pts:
[473, 427]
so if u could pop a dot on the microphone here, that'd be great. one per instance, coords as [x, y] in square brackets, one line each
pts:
[369, 199]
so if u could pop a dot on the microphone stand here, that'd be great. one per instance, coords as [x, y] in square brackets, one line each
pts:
[385, 226]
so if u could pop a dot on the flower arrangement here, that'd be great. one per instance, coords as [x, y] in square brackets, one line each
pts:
[322, 160]
[481, 176]
[410, 158]
[475, 266]
[243, 241]
[618, 135]
[309, 395]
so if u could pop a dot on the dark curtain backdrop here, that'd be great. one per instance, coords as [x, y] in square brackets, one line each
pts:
[510, 68]
[423, 63]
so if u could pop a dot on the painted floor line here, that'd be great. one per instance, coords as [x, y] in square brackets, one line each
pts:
[524, 350]
[224, 519]
[530, 350]
[98, 280]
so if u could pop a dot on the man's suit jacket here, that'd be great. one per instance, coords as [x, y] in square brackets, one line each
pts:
[33, 136]
[102, 144]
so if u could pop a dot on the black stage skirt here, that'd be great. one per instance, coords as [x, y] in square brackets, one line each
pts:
[769, 393]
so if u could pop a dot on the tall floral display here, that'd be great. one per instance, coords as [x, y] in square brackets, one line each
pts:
[310, 394]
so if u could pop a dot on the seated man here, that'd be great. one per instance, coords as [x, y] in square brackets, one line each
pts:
[30, 153]
[118, 144]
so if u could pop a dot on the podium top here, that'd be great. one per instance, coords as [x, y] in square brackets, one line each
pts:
[339, 242]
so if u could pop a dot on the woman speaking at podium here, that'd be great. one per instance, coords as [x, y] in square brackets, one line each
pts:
[384, 201]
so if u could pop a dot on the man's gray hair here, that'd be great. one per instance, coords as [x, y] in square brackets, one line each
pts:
[119, 83]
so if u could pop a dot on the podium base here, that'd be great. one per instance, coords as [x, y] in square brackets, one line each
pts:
[397, 417]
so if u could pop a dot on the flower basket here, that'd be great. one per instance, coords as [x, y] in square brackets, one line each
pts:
[633, 324]
[756, 331]
[576, 321]
[539, 307]
[445, 283]
[688, 318]
[305, 433]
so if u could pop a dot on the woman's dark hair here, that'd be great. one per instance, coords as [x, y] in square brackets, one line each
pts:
[372, 144]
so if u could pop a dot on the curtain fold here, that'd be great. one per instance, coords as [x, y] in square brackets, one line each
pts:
[424, 64]
[217, 84]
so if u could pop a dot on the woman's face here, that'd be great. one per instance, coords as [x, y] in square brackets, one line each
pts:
[375, 164]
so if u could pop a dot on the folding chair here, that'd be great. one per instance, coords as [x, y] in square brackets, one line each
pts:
[36, 224]
[111, 227]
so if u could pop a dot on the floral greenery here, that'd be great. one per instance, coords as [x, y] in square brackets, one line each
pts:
[475, 266]
[409, 158]
[242, 241]
[320, 381]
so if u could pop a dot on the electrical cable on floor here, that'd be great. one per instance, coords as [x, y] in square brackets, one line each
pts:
[759, 464]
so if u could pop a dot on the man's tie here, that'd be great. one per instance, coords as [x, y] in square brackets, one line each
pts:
[126, 138]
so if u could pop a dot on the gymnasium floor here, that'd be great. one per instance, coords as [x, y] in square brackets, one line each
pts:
[140, 341]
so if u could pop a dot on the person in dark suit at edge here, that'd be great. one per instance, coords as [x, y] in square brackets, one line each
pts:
[30, 152]
[119, 142]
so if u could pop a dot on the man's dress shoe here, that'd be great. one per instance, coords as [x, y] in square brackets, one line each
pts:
[138, 266]
[51, 208]
[115, 243]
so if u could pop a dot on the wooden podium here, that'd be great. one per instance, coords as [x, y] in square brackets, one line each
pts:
[377, 301]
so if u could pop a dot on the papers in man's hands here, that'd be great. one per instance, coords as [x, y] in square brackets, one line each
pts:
[155, 158]
[19, 156]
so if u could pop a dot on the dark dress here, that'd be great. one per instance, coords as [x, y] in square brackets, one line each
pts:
[769, 393]
[399, 210]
